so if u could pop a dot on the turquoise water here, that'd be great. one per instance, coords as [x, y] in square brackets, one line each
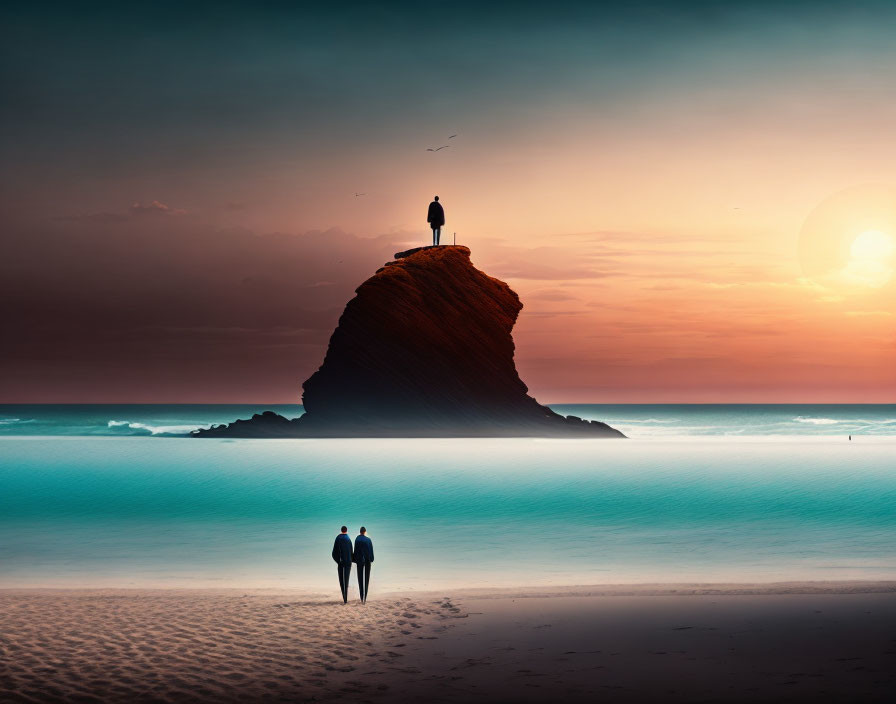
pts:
[671, 420]
[136, 511]
[125, 419]
[639, 420]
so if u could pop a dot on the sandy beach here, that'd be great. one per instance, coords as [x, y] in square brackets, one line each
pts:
[823, 641]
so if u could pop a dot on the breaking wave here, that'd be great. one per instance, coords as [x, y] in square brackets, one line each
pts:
[146, 429]
[636, 421]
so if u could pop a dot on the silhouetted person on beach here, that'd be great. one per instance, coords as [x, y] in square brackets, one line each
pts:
[435, 216]
[342, 556]
[364, 559]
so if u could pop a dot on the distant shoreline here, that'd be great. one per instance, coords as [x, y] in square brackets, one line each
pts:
[636, 421]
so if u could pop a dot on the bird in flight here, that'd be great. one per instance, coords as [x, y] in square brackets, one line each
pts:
[452, 136]
[360, 194]
[429, 149]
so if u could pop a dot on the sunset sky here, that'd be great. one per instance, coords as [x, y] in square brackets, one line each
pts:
[696, 201]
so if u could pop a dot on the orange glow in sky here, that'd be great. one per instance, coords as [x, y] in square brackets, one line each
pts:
[698, 208]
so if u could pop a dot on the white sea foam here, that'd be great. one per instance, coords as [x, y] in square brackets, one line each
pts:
[155, 429]
[642, 431]
[636, 422]
[817, 421]
[649, 420]
[805, 426]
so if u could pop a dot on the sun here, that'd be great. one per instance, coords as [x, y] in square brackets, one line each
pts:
[848, 242]
[870, 263]
[874, 245]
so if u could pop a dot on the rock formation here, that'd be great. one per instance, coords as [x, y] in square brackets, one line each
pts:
[423, 350]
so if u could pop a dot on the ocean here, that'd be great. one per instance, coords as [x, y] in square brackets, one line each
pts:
[112, 496]
[636, 420]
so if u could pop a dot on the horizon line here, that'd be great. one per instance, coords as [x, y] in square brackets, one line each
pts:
[551, 403]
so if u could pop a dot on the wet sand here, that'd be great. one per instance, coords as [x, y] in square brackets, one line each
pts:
[673, 643]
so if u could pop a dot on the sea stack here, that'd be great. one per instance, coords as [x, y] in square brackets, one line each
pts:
[423, 350]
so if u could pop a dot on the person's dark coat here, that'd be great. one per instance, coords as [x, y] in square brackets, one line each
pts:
[363, 549]
[436, 215]
[342, 550]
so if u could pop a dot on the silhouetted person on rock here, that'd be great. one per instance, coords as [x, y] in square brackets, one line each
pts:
[364, 559]
[436, 219]
[342, 556]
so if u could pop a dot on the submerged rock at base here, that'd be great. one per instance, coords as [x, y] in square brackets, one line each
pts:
[260, 425]
[423, 350]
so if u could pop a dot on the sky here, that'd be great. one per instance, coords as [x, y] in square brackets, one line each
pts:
[696, 201]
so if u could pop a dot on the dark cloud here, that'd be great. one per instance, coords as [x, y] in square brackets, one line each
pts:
[154, 208]
[91, 303]
[98, 218]
[135, 210]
